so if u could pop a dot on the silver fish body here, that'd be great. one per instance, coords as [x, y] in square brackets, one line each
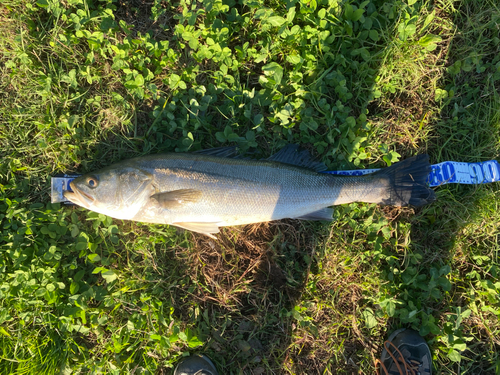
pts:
[204, 192]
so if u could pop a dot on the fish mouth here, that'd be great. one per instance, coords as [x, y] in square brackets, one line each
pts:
[78, 197]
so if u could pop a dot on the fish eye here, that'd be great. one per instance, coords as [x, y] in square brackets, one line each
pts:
[92, 182]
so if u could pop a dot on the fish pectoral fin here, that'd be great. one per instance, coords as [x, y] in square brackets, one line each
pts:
[204, 228]
[177, 198]
[323, 214]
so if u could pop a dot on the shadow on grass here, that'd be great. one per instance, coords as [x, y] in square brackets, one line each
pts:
[245, 287]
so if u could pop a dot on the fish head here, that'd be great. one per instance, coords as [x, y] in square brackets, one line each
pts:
[116, 192]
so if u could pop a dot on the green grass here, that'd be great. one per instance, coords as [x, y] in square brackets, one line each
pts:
[361, 84]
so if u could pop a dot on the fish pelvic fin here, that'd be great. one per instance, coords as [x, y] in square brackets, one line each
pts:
[203, 228]
[406, 182]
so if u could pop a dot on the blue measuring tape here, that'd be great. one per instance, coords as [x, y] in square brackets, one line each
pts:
[449, 172]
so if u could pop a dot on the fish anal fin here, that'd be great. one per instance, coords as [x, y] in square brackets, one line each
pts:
[203, 228]
[294, 155]
[323, 214]
[177, 198]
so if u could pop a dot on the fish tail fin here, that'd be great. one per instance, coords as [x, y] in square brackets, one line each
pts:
[407, 182]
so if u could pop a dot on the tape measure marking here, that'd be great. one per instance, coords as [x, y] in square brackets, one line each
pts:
[449, 172]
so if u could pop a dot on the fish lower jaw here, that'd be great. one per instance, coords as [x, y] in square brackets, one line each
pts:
[73, 198]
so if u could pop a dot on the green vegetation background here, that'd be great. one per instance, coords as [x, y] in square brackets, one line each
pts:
[361, 84]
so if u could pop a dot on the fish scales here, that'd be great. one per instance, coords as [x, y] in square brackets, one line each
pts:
[266, 190]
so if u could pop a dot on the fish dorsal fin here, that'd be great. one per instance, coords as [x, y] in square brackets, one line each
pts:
[223, 152]
[323, 214]
[294, 155]
[177, 198]
[204, 228]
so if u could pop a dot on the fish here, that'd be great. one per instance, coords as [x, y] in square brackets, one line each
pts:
[209, 189]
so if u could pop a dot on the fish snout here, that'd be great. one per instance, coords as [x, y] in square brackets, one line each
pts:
[78, 196]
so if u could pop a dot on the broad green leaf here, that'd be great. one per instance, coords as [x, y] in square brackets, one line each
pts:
[275, 70]
[351, 121]
[94, 257]
[109, 276]
[293, 59]
[194, 342]
[79, 275]
[428, 19]
[368, 23]
[174, 338]
[233, 137]
[461, 346]
[373, 34]
[220, 137]
[139, 80]
[454, 356]
[187, 36]
[258, 119]
[348, 12]
[391, 306]
[412, 314]
[228, 131]
[466, 313]
[370, 320]
[74, 231]
[308, 6]
[276, 21]
[74, 287]
[194, 43]
[107, 23]
[173, 80]
[429, 41]
[357, 14]
[81, 246]
[405, 31]
[411, 29]
[424, 330]
[296, 315]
